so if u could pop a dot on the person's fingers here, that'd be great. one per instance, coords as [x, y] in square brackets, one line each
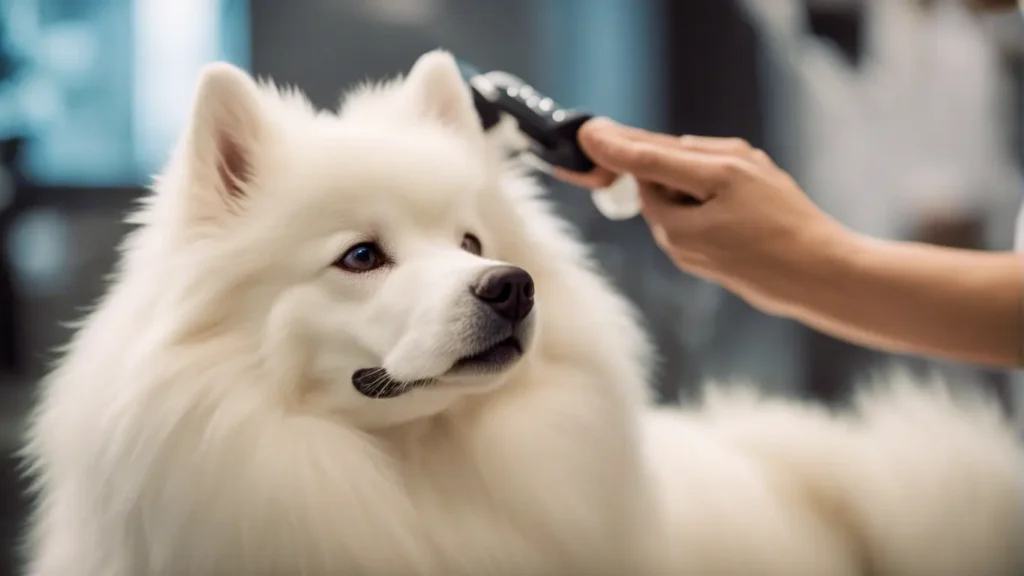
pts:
[732, 146]
[604, 127]
[607, 128]
[668, 209]
[761, 158]
[694, 165]
[714, 145]
[694, 173]
[658, 198]
[594, 180]
[689, 260]
[675, 220]
[601, 128]
[660, 236]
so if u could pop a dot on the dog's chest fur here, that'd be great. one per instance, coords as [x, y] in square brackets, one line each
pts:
[465, 472]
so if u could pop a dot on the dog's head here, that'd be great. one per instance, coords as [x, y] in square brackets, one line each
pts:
[373, 251]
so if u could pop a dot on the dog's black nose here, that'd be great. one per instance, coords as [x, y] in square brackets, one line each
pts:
[508, 290]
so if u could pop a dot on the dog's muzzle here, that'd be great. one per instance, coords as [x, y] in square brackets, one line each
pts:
[495, 341]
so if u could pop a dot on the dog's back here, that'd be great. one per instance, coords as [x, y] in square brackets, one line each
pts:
[915, 481]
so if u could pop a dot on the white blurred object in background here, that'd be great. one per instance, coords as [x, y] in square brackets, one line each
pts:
[924, 123]
[929, 103]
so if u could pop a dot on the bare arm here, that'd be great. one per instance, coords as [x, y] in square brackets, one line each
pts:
[754, 231]
[915, 298]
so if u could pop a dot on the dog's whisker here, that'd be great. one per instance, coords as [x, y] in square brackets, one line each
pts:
[378, 383]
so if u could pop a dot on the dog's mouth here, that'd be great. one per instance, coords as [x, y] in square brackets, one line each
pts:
[491, 359]
[377, 383]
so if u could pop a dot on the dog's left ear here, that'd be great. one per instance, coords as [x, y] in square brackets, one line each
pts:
[225, 135]
[435, 85]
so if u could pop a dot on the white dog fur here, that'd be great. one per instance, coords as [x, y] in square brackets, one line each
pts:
[204, 422]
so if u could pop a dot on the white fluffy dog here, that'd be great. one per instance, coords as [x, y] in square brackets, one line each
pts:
[361, 344]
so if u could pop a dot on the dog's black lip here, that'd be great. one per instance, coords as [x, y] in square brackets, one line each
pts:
[511, 343]
[376, 383]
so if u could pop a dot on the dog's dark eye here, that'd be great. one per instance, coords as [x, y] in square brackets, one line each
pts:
[361, 258]
[471, 244]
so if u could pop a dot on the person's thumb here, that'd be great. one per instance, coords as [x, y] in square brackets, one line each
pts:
[610, 147]
[603, 140]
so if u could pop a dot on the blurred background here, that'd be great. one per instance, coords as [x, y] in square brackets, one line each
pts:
[902, 118]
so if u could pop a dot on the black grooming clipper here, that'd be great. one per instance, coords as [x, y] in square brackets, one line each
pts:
[551, 128]
[551, 131]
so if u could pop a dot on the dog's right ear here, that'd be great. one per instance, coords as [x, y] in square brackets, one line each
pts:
[436, 88]
[227, 129]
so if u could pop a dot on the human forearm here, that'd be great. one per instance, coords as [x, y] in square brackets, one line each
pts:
[915, 298]
[749, 226]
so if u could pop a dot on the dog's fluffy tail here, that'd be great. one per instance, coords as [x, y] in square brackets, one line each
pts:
[941, 486]
[922, 478]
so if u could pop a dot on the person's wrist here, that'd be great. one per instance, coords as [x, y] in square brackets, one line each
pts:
[816, 263]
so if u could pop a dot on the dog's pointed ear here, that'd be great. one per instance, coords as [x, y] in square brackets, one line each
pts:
[436, 86]
[227, 129]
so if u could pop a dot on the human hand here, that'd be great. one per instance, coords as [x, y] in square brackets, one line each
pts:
[719, 208]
